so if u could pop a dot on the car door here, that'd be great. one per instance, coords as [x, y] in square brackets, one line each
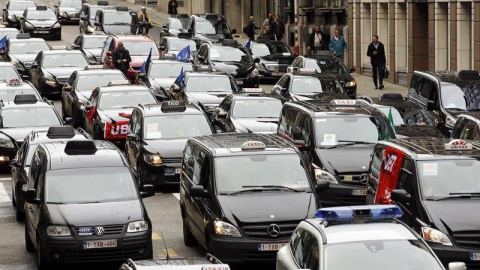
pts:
[134, 146]
[35, 73]
[17, 176]
[306, 250]
[407, 181]
[69, 96]
[90, 116]
[374, 172]
[222, 115]
[32, 211]
[281, 89]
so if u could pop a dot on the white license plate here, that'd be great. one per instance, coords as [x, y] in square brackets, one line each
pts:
[278, 74]
[41, 32]
[100, 244]
[474, 256]
[178, 170]
[239, 82]
[271, 247]
[359, 192]
[75, 19]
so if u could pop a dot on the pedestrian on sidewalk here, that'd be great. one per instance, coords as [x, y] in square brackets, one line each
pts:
[121, 58]
[278, 27]
[268, 21]
[316, 40]
[376, 51]
[338, 45]
[268, 34]
[250, 29]
[172, 8]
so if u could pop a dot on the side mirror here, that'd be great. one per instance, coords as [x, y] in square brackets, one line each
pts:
[4, 9]
[97, 24]
[282, 90]
[30, 196]
[352, 70]
[147, 191]
[56, 6]
[234, 31]
[75, 47]
[88, 107]
[457, 266]
[322, 186]
[430, 105]
[176, 88]
[132, 136]
[300, 144]
[14, 163]
[198, 191]
[400, 195]
[68, 120]
[34, 66]
[3, 52]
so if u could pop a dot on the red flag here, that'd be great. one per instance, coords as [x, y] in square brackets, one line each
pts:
[388, 177]
[90, 114]
[116, 131]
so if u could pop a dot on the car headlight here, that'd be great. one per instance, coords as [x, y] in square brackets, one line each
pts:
[350, 84]
[436, 236]
[137, 226]
[224, 228]
[6, 143]
[153, 159]
[58, 231]
[56, 25]
[29, 25]
[322, 175]
[255, 73]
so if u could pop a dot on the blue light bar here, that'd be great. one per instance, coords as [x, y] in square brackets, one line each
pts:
[357, 213]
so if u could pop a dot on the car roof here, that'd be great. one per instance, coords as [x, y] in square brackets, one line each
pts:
[376, 231]
[460, 78]
[6, 29]
[246, 96]
[136, 38]
[6, 64]
[320, 108]
[99, 71]
[23, 40]
[93, 36]
[53, 52]
[106, 155]
[38, 104]
[168, 61]
[398, 104]
[120, 88]
[315, 75]
[24, 86]
[229, 144]
[205, 74]
[35, 8]
[432, 148]
[39, 136]
[156, 109]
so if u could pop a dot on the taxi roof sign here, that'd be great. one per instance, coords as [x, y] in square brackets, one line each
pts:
[344, 102]
[305, 71]
[361, 213]
[168, 56]
[63, 132]
[59, 47]
[80, 148]
[253, 91]
[14, 82]
[25, 99]
[173, 106]
[119, 82]
[253, 145]
[41, 8]
[458, 145]
[94, 67]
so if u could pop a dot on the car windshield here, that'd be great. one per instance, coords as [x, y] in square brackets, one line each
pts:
[90, 81]
[453, 97]
[313, 85]
[205, 27]
[331, 66]
[31, 117]
[407, 116]
[141, 48]
[71, 3]
[9, 33]
[237, 173]
[94, 42]
[64, 60]
[125, 99]
[178, 24]
[69, 186]
[30, 47]
[436, 177]
[227, 54]
[379, 254]
[168, 70]
[41, 15]
[333, 130]
[257, 108]
[209, 84]
[178, 44]
[276, 49]
[8, 72]
[176, 126]
[14, 5]
[118, 18]
[9, 95]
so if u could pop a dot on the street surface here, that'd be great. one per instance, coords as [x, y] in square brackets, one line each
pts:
[163, 208]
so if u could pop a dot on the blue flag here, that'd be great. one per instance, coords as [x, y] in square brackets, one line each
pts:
[145, 64]
[179, 80]
[248, 45]
[184, 54]
[3, 43]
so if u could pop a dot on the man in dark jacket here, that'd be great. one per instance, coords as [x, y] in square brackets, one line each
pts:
[268, 33]
[121, 58]
[172, 8]
[316, 40]
[376, 51]
[250, 29]
[278, 28]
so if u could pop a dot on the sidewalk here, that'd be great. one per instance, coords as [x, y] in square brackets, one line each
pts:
[156, 16]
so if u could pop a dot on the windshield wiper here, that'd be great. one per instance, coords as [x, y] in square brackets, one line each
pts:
[456, 195]
[356, 142]
[55, 203]
[455, 109]
[348, 143]
[246, 190]
[274, 187]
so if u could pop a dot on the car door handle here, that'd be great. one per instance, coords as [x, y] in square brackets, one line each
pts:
[30, 208]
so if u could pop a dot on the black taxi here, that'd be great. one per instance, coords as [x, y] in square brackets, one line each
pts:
[242, 195]
[338, 139]
[156, 137]
[435, 181]
[68, 221]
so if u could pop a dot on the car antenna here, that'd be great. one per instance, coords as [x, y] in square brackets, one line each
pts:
[166, 249]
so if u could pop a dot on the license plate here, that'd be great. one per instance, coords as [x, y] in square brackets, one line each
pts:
[172, 171]
[100, 244]
[278, 74]
[474, 256]
[359, 192]
[239, 82]
[271, 247]
[178, 170]
[43, 32]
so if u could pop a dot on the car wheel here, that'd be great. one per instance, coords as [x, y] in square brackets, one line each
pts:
[41, 263]
[14, 201]
[188, 237]
[28, 242]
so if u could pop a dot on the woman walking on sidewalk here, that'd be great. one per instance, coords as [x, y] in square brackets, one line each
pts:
[172, 8]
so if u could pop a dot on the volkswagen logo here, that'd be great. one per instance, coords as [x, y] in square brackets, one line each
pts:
[364, 178]
[273, 230]
[99, 231]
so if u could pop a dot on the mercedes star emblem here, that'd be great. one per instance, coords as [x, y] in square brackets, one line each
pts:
[364, 178]
[273, 230]
[99, 231]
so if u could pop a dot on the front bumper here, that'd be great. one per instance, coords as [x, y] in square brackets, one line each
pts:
[165, 174]
[269, 74]
[341, 195]
[69, 249]
[241, 250]
[248, 82]
[448, 254]
[44, 32]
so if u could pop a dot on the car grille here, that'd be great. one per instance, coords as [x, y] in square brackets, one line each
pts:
[354, 178]
[43, 28]
[259, 255]
[109, 229]
[62, 80]
[467, 239]
[172, 160]
[351, 200]
[260, 230]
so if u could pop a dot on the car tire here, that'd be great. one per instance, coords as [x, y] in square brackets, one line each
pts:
[188, 237]
[41, 263]
[28, 242]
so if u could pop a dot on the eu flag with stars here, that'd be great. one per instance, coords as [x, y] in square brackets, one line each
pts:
[179, 80]
[184, 54]
[145, 64]
[3, 43]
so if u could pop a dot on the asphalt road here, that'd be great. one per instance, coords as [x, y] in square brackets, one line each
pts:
[163, 208]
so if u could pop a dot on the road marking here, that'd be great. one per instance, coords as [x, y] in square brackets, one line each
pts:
[163, 254]
[156, 236]
[4, 195]
[177, 195]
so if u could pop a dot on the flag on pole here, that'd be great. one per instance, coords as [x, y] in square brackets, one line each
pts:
[390, 119]
[184, 54]
[145, 64]
[3, 43]
[179, 80]
[248, 45]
